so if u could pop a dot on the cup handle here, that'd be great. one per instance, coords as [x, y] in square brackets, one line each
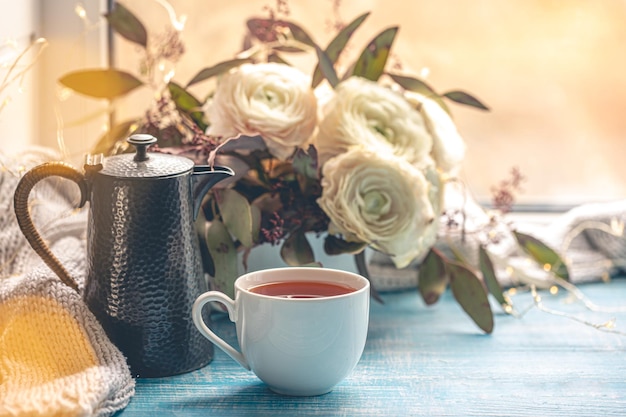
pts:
[221, 298]
[25, 221]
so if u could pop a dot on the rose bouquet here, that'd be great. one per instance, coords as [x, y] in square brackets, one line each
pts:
[353, 153]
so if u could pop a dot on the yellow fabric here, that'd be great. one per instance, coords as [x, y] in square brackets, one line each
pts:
[45, 360]
[55, 358]
[40, 342]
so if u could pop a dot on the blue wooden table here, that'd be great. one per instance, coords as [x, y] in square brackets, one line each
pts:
[433, 361]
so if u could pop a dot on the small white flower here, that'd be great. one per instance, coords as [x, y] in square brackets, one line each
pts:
[448, 145]
[365, 113]
[379, 198]
[272, 100]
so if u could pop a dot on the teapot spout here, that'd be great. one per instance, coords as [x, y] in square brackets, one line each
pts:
[204, 177]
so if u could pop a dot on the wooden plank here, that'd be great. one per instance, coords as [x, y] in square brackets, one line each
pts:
[424, 361]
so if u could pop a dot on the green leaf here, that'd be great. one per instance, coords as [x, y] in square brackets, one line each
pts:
[414, 84]
[188, 104]
[274, 57]
[489, 276]
[300, 34]
[289, 48]
[305, 163]
[217, 69]
[334, 245]
[268, 202]
[432, 277]
[543, 254]
[237, 214]
[462, 97]
[470, 293]
[420, 87]
[101, 83]
[224, 255]
[296, 250]
[327, 68]
[371, 63]
[107, 142]
[337, 45]
[124, 22]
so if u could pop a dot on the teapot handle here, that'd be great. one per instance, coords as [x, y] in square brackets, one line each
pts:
[25, 221]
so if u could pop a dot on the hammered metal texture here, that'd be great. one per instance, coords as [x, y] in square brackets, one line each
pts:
[157, 165]
[145, 272]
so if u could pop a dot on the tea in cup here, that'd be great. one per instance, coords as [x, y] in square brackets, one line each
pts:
[301, 330]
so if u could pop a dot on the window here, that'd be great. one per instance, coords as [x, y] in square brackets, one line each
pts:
[551, 72]
[37, 114]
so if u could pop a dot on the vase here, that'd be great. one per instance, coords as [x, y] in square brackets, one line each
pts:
[267, 256]
[383, 274]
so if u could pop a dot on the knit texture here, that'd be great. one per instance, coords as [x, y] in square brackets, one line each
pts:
[55, 359]
[587, 237]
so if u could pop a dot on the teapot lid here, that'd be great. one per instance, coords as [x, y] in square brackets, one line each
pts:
[143, 164]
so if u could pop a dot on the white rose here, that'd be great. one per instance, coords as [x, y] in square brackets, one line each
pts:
[448, 145]
[362, 112]
[383, 200]
[272, 100]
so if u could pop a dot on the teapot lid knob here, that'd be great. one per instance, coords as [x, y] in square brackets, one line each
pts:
[141, 141]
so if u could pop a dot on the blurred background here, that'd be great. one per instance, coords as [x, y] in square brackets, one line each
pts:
[551, 71]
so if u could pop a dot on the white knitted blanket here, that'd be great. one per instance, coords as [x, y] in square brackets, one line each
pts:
[589, 238]
[55, 359]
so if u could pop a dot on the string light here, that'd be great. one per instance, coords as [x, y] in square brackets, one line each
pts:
[607, 326]
[80, 11]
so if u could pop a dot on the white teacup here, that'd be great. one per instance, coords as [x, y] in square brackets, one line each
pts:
[300, 344]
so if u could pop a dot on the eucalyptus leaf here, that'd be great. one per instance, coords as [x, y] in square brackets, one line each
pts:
[489, 276]
[124, 22]
[418, 86]
[237, 215]
[470, 293]
[224, 255]
[336, 46]
[188, 104]
[432, 277]
[334, 245]
[327, 68]
[289, 48]
[244, 143]
[414, 84]
[217, 69]
[101, 83]
[274, 57]
[305, 163]
[371, 63]
[462, 97]
[543, 254]
[255, 214]
[268, 203]
[296, 250]
[300, 34]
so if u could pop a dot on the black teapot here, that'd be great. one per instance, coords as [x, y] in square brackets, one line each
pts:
[144, 267]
